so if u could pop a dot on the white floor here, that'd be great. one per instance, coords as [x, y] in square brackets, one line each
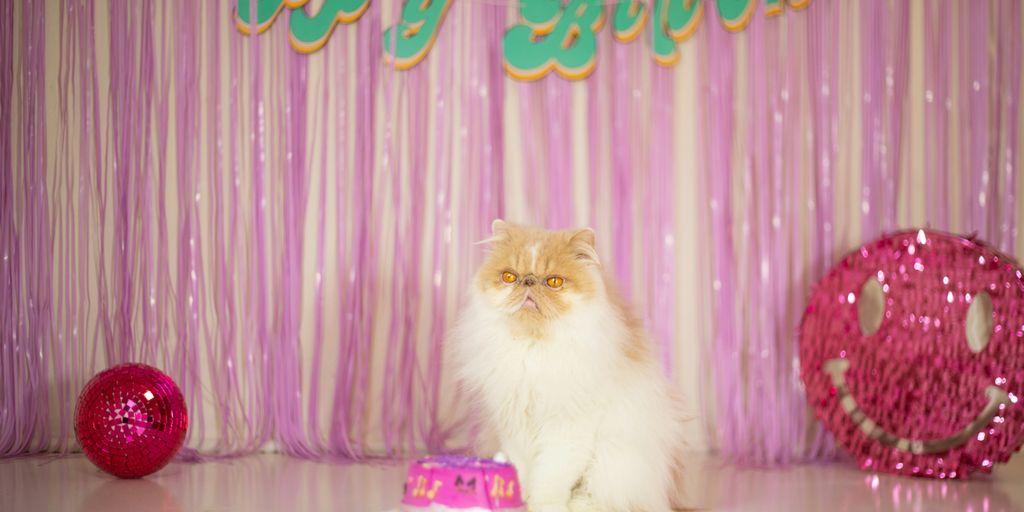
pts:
[278, 483]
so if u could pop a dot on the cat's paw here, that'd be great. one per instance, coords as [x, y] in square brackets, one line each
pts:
[583, 503]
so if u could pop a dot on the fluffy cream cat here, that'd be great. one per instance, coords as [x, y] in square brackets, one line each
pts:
[566, 378]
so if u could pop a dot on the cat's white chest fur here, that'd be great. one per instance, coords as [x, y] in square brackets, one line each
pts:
[534, 380]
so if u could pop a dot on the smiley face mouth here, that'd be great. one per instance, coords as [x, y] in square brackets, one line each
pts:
[836, 369]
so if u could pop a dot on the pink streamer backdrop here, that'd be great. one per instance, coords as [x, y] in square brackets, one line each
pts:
[223, 197]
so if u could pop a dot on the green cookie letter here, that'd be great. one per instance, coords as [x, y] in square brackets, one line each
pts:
[414, 34]
[553, 38]
[735, 14]
[309, 33]
[629, 20]
[678, 21]
[266, 13]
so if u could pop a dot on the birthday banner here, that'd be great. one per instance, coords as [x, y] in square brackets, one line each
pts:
[551, 37]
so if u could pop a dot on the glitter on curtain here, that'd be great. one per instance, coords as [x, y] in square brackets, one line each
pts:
[658, 237]
[767, 248]
[1007, 99]
[26, 239]
[977, 180]
[624, 98]
[757, 225]
[725, 344]
[884, 49]
[937, 107]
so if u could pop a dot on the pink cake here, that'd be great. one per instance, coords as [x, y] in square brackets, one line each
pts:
[461, 483]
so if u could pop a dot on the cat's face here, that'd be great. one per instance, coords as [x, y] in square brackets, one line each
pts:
[535, 276]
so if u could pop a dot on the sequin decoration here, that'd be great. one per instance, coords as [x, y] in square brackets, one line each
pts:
[131, 420]
[912, 354]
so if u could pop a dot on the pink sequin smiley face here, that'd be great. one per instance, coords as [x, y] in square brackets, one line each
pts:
[912, 354]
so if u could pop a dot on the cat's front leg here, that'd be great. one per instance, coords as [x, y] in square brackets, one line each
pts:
[562, 455]
[518, 455]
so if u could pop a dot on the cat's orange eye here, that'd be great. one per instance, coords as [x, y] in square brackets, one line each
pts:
[509, 277]
[555, 281]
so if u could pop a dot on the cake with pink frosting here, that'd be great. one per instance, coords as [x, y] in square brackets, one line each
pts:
[447, 482]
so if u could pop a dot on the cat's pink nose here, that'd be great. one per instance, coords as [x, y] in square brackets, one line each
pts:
[529, 280]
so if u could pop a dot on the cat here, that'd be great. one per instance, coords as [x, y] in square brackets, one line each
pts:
[566, 378]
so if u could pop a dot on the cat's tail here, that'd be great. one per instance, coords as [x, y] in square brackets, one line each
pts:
[685, 474]
[681, 498]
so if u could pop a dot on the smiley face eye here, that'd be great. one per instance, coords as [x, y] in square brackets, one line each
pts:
[555, 281]
[870, 306]
[979, 322]
[509, 277]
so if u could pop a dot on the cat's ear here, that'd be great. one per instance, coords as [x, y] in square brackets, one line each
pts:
[499, 231]
[498, 226]
[584, 242]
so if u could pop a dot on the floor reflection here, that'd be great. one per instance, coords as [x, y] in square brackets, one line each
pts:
[841, 487]
[126, 495]
[980, 494]
[274, 483]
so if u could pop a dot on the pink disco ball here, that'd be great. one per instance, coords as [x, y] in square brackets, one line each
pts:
[912, 354]
[131, 420]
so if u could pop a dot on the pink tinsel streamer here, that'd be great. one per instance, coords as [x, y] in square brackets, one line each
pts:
[27, 241]
[884, 70]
